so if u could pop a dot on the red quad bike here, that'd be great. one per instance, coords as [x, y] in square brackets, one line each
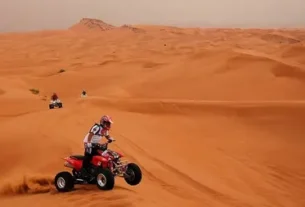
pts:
[104, 168]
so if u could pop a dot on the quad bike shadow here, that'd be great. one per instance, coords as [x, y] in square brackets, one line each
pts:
[103, 170]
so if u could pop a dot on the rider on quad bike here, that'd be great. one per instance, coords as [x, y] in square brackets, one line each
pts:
[54, 97]
[94, 136]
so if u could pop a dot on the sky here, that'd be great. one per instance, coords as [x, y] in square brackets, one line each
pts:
[29, 15]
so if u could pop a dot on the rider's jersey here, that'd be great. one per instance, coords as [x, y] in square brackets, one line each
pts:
[54, 97]
[98, 132]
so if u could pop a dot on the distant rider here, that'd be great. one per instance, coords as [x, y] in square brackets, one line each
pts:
[84, 93]
[54, 97]
[94, 135]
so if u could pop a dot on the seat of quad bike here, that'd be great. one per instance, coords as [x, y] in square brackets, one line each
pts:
[78, 157]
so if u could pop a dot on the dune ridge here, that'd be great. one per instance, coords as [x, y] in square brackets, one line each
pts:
[91, 24]
[213, 116]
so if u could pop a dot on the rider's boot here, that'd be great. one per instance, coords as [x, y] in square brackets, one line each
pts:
[86, 175]
[84, 172]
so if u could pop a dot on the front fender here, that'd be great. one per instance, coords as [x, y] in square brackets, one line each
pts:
[120, 154]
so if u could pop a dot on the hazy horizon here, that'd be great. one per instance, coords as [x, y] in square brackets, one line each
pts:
[17, 15]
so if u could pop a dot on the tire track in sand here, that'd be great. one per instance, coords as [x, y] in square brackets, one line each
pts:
[165, 185]
[201, 188]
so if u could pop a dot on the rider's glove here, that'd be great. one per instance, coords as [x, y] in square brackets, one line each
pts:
[111, 139]
[88, 148]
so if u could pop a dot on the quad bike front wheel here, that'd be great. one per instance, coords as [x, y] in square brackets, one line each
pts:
[64, 181]
[104, 179]
[133, 174]
[59, 105]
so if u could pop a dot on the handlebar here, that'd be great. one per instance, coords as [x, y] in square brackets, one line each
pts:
[103, 146]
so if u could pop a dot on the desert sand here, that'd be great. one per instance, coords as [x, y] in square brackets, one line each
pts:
[214, 117]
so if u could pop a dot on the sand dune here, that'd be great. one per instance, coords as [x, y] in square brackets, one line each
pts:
[214, 117]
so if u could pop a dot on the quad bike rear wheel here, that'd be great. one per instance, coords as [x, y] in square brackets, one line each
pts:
[104, 179]
[51, 106]
[64, 181]
[133, 174]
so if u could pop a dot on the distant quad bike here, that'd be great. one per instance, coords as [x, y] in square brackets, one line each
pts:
[103, 170]
[55, 103]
